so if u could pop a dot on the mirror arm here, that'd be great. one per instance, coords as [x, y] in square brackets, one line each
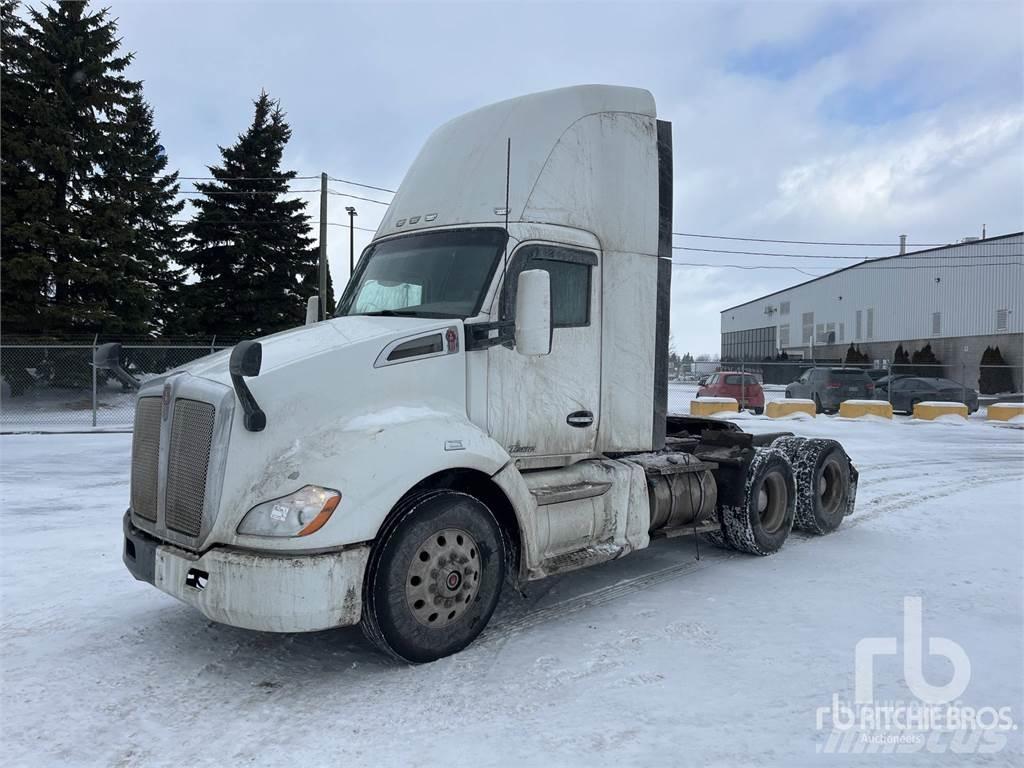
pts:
[478, 335]
[246, 360]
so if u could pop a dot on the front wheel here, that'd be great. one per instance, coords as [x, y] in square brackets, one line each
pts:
[433, 582]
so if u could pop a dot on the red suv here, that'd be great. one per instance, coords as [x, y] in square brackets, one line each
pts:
[743, 387]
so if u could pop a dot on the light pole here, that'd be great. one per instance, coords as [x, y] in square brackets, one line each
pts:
[351, 240]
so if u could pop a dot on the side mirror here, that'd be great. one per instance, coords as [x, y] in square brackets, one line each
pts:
[533, 312]
[312, 310]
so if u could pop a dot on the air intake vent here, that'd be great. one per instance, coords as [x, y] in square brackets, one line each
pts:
[187, 465]
[145, 457]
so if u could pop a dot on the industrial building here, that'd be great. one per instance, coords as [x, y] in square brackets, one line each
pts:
[960, 298]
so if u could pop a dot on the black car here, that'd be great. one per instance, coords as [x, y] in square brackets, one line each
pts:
[904, 392]
[828, 387]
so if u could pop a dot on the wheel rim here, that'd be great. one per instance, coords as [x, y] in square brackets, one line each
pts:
[830, 487]
[443, 578]
[772, 501]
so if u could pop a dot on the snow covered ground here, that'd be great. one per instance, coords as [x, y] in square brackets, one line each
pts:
[657, 659]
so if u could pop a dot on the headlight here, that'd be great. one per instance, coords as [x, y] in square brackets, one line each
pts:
[298, 514]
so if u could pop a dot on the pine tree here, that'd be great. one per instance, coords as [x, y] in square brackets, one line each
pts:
[73, 260]
[24, 268]
[250, 247]
[142, 197]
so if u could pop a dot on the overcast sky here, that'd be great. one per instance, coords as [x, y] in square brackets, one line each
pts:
[804, 121]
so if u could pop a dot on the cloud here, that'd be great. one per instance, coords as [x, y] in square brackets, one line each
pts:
[816, 121]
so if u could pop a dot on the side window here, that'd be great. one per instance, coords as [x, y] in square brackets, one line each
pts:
[571, 278]
[570, 291]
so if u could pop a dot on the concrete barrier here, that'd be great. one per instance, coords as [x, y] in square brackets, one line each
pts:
[778, 409]
[932, 410]
[854, 409]
[1005, 411]
[709, 406]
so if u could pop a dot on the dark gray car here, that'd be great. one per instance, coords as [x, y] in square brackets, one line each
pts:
[828, 387]
[908, 391]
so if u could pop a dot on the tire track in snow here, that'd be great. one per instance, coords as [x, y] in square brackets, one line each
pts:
[879, 505]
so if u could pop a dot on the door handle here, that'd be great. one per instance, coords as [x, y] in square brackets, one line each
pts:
[580, 419]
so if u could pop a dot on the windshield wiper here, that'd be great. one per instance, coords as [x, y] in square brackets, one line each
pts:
[402, 313]
[389, 313]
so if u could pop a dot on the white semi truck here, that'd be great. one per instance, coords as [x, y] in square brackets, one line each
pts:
[488, 404]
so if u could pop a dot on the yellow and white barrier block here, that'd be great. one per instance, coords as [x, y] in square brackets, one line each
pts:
[932, 410]
[1005, 411]
[710, 406]
[854, 409]
[779, 409]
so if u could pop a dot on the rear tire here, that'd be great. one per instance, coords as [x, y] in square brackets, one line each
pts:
[817, 405]
[824, 485]
[762, 520]
[433, 581]
[759, 411]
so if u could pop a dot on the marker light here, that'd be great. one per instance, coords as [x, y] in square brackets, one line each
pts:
[298, 514]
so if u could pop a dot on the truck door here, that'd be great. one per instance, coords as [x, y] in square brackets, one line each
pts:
[548, 406]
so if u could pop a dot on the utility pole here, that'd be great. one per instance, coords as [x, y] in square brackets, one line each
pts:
[323, 246]
[351, 240]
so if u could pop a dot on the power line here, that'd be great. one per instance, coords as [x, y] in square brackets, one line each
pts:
[358, 184]
[858, 266]
[355, 197]
[807, 242]
[764, 253]
[246, 192]
[823, 256]
[270, 222]
[245, 178]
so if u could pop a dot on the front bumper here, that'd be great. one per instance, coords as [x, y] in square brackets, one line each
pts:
[271, 593]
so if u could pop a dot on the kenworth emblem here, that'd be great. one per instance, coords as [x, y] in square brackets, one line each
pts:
[165, 407]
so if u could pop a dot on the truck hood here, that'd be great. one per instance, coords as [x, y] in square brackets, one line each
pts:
[287, 347]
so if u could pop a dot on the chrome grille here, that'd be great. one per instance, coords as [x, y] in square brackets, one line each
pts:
[187, 465]
[145, 457]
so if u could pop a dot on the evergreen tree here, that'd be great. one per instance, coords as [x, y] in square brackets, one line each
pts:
[996, 377]
[900, 361]
[250, 247]
[72, 260]
[142, 197]
[926, 363]
[24, 268]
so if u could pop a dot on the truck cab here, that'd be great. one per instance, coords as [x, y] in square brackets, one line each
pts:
[488, 404]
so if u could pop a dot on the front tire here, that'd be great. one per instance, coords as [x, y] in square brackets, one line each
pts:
[434, 579]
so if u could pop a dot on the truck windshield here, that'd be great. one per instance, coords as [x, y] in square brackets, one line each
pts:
[435, 274]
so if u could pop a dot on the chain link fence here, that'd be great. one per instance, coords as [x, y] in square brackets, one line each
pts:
[56, 387]
[755, 384]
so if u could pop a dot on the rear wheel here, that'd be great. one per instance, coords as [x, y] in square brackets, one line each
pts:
[759, 411]
[434, 581]
[817, 405]
[762, 520]
[824, 482]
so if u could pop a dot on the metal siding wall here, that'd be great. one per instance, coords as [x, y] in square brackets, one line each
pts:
[904, 300]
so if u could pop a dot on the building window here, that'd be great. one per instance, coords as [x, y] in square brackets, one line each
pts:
[783, 336]
[857, 326]
[842, 332]
[936, 323]
[1002, 320]
[820, 337]
[871, 323]
[783, 307]
[750, 345]
[808, 334]
[830, 333]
